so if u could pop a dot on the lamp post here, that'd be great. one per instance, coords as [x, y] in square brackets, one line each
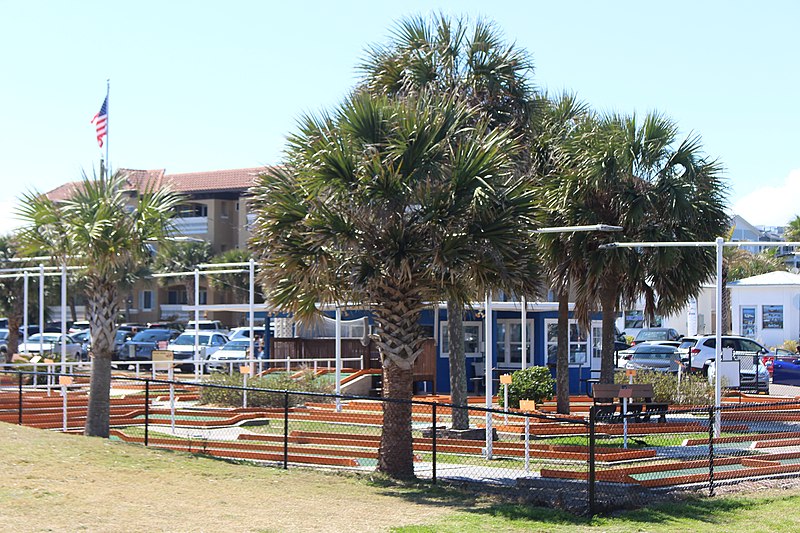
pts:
[719, 245]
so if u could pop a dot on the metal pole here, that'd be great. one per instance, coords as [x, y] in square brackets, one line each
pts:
[592, 416]
[196, 323]
[41, 309]
[433, 447]
[146, 410]
[171, 398]
[19, 384]
[25, 313]
[286, 430]
[711, 451]
[252, 315]
[527, 443]
[64, 319]
[524, 333]
[718, 350]
[488, 372]
[64, 408]
[338, 358]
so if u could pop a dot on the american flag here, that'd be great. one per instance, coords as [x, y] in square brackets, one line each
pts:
[100, 121]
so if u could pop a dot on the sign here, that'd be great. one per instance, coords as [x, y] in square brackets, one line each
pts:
[65, 380]
[505, 379]
[527, 405]
[35, 359]
[48, 361]
[630, 371]
[244, 369]
[162, 359]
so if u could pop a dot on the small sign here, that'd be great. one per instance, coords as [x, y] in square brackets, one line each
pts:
[65, 380]
[505, 379]
[527, 405]
[630, 372]
[244, 369]
[48, 361]
[162, 359]
[35, 359]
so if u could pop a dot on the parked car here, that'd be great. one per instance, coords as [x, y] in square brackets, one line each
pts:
[236, 333]
[207, 325]
[141, 346]
[754, 378]
[50, 345]
[182, 347]
[655, 357]
[701, 350]
[83, 337]
[78, 326]
[3, 346]
[787, 370]
[657, 334]
[233, 350]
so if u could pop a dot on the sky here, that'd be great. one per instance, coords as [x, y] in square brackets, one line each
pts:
[200, 86]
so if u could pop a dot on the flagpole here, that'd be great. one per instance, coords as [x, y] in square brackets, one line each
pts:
[108, 115]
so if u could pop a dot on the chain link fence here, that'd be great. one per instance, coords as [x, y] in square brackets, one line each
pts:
[587, 461]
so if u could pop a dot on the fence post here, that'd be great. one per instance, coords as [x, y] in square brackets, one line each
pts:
[433, 447]
[591, 461]
[146, 410]
[286, 430]
[19, 376]
[711, 418]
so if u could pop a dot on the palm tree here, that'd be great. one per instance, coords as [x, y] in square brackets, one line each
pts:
[472, 63]
[636, 174]
[11, 295]
[793, 230]
[97, 229]
[237, 282]
[387, 202]
[557, 123]
[182, 256]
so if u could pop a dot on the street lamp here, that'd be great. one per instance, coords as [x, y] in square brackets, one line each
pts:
[719, 244]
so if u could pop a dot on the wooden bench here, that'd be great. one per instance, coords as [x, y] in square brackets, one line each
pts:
[608, 402]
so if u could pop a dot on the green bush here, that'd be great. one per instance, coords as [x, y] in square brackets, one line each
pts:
[306, 382]
[534, 383]
[695, 389]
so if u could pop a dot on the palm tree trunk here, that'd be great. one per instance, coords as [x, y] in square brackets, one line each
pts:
[400, 341]
[15, 319]
[396, 455]
[458, 363]
[608, 301]
[103, 309]
[562, 354]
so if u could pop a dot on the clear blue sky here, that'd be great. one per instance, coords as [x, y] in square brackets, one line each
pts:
[210, 85]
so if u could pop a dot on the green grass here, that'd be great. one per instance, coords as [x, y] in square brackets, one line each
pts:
[55, 482]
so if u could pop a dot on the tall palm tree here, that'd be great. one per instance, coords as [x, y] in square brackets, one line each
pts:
[558, 121]
[386, 202]
[473, 63]
[636, 174]
[96, 229]
[182, 256]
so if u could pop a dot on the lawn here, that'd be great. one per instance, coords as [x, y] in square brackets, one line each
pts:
[56, 482]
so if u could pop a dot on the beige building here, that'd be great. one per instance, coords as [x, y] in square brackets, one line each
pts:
[215, 210]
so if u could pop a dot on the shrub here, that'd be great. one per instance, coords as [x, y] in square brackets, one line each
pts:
[534, 383]
[274, 397]
[695, 388]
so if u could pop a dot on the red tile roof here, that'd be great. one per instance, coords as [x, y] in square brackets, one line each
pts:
[239, 179]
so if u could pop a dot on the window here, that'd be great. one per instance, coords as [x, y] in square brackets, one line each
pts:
[147, 300]
[750, 346]
[203, 297]
[634, 319]
[509, 343]
[191, 210]
[223, 209]
[473, 339]
[749, 322]
[578, 343]
[176, 297]
[772, 317]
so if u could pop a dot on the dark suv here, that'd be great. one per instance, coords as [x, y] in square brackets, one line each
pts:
[141, 346]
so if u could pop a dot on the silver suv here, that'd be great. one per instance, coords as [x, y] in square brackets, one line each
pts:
[701, 353]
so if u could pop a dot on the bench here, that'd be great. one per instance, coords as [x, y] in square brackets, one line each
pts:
[641, 407]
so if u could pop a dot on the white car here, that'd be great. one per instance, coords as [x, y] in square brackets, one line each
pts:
[50, 345]
[182, 347]
[244, 332]
[701, 354]
[236, 349]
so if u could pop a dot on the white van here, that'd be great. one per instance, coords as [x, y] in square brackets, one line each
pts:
[206, 325]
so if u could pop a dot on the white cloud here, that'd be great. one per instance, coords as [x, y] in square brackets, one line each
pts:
[772, 206]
